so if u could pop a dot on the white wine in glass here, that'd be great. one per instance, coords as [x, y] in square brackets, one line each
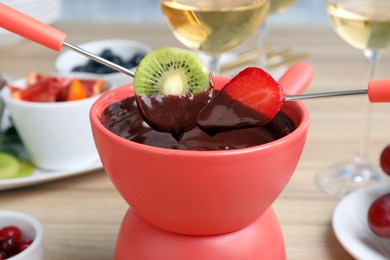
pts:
[365, 25]
[279, 6]
[214, 26]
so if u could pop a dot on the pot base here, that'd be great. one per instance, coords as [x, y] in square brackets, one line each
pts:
[262, 239]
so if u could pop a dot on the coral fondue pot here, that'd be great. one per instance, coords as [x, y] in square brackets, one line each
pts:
[201, 204]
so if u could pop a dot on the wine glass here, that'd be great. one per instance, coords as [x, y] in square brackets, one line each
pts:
[276, 7]
[214, 26]
[280, 6]
[365, 25]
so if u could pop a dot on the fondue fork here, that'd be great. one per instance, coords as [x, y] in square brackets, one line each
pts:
[32, 29]
[378, 91]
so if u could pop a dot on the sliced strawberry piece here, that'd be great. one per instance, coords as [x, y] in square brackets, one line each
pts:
[93, 87]
[33, 78]
[44, 88]
[38, 93]
[252, 98]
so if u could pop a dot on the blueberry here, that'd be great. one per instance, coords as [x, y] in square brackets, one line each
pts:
[117, 60]
[107, 54]
[92, 64]
[104, 70]
[129, 64]
[80, 68]
[137, 58]
[95, 67]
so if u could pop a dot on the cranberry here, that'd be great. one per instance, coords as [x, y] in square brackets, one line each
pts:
[385, 160]
[11, 231]
[3, 255]
[24, 243]
[379, 216]
[10, 245]
[11, 242]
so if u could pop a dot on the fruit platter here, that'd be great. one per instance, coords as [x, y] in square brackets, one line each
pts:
[16, 166]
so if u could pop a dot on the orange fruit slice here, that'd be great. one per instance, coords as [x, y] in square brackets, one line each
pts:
[76, 91]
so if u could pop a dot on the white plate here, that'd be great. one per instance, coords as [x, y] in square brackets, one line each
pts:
[351, 227]
[40, 176]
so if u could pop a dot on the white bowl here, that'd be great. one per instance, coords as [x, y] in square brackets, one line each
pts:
[126, 49]
[57, 135]
[30, 227]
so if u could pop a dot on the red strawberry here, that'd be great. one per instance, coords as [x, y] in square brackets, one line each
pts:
[252, 98]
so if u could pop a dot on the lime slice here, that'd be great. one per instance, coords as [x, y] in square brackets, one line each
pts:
[26, 169]
[9, 166]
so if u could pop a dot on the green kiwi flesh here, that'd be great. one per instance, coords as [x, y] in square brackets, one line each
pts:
[171, 71]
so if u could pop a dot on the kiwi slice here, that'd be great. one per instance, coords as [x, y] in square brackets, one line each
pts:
[172, 85]
[9, 166]
[171, 71]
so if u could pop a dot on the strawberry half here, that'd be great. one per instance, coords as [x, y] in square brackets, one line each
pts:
[252, 98]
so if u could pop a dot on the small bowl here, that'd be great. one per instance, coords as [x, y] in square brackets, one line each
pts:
[57, 136]
[126, 49]
[30, 227]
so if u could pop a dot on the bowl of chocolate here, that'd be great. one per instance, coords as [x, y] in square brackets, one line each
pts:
[201, 184]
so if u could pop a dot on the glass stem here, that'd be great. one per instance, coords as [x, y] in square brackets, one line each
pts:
[372, 57]
[214, 65]
[262, 35]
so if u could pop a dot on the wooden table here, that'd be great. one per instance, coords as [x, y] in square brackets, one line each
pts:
[81, 215]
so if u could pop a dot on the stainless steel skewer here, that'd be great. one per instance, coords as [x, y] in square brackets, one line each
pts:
[99, 59]
[326, 94]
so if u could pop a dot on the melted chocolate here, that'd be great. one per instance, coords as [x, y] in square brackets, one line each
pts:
[224, 114]
[124, 119]
[175, 114]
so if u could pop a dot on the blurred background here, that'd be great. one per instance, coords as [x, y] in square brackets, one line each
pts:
[138, 11]
[148, 11]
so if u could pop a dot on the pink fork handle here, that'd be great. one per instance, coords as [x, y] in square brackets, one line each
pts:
[297, 78]
[379, 91]
[30, 28]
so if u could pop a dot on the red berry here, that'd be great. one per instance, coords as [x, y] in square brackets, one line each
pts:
[24, 243]
[10, 245]
[379, 216]
[251, 98]
[3, 255]
[11, 242]
[255, 88]
[11, 231]
[385, 160]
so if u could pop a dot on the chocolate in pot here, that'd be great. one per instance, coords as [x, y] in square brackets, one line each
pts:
[124, 119]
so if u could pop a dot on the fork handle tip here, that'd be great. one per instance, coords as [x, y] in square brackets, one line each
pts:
[30, 28]
[379, 91]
